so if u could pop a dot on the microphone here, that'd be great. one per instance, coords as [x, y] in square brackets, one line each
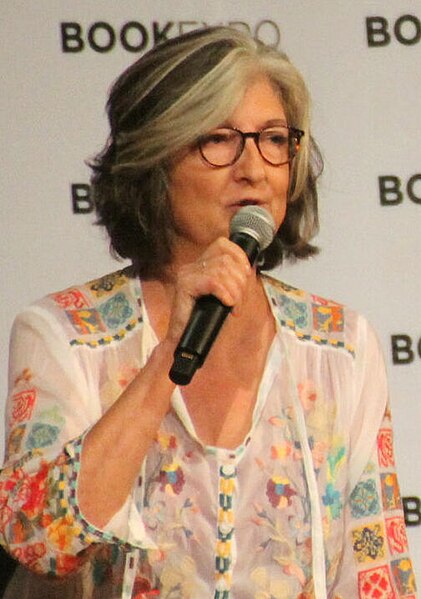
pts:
[252, 228]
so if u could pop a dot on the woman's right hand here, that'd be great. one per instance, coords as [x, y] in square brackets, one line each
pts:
[222, 270]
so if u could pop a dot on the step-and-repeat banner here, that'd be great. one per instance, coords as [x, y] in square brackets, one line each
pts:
[361, 60]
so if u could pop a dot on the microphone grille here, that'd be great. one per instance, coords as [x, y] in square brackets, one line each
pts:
[256, 222]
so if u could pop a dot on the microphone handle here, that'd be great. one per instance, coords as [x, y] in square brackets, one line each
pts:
[206, 320]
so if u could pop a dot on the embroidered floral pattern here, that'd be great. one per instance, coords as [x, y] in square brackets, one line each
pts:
[108, 283]
[279, 491]
[142, 589]
[328, 318]
[30, 553]
[22, 406]
[385, 448]
[115, 311]
[167, 441]
[42, 435]
[87, 321]
[296, 312]
[71, 298]
[332, 500]
[364, 499]
[171, 479]
[404, 576]
[368, 543]
[390, 491]
[376, 583]
[396, 535]
[14, 441]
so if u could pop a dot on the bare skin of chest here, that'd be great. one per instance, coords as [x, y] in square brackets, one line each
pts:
[222, 395]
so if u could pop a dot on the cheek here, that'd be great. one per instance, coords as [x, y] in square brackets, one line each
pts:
[179, 190]
[190, 195]
[188, 181]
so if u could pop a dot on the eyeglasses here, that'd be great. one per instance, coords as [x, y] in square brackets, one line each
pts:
[277, 145]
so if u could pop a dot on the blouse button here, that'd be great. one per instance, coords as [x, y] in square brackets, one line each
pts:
[228, 470]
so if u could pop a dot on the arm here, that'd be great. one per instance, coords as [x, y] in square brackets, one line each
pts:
[52, 409]
[46, 417]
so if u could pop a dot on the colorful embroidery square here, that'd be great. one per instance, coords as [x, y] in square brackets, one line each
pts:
[22, 406]
[328, 318]
[404, 576]
[295, 312]
[396, 535]
[86, 322]
[106, 284]
[364, 499]
[115, 311]
[368, 543]
[376, 584]
[390, 491]
[71, 298]
[385, 448]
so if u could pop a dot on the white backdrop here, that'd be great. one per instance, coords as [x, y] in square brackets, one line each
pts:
[365, 89]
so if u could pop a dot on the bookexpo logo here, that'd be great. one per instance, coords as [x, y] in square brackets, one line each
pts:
[136, 37]
[405, 30]
[393, 190]
[412, 510]
[405, 349]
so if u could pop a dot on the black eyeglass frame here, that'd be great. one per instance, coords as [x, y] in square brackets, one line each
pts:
[295, 136]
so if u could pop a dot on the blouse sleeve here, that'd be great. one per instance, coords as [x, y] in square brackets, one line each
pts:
[375, 561]
[376, 547]
[52, 403]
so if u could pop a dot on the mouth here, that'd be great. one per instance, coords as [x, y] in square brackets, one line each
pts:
[246, 202]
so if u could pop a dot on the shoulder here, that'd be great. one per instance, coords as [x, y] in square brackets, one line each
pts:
[318, 320]
[95, 313]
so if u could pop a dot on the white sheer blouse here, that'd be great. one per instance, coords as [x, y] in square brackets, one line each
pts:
[307, 506]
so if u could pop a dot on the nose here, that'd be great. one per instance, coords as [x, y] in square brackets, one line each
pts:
[250, 165]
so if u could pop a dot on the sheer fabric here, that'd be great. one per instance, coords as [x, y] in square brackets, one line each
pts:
[204, 521]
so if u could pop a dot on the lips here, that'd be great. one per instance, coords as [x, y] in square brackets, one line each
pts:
[246, 202]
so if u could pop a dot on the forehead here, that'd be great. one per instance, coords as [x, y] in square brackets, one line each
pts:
[259, 104]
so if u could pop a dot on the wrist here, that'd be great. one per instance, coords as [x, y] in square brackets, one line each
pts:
[162, 357]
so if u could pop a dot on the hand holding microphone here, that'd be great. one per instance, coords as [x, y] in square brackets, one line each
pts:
[252, 228]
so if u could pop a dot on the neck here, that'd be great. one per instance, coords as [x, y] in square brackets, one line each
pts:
[184, 252]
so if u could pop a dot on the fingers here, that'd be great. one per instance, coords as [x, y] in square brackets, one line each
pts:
[223, 271]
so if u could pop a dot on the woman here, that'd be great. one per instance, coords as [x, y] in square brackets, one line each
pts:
[271, 473]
